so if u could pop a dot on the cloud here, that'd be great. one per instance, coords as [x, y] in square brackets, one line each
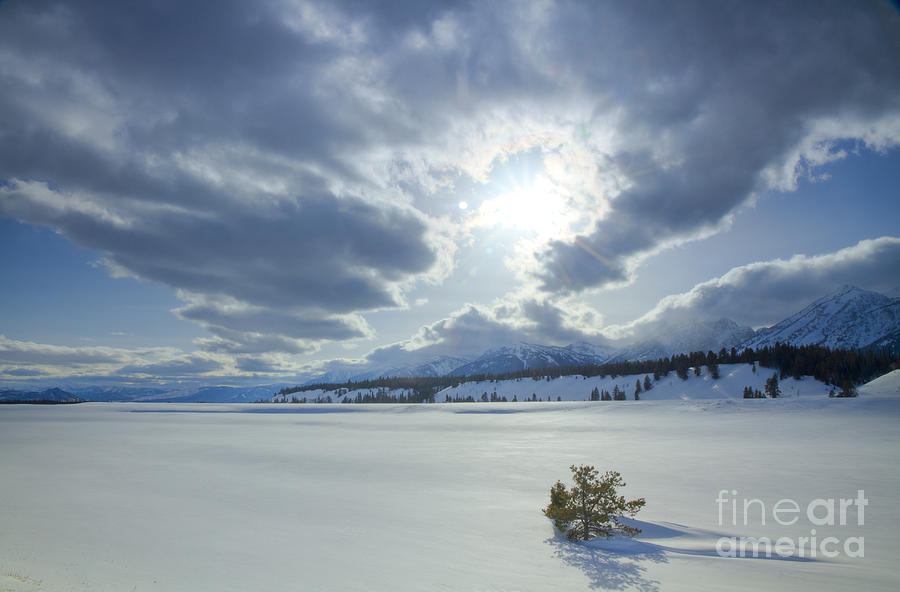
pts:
[763, 293]
[25, 359]
[23, 372]
[144, 134]
[728, 101]
[182, 366]
[298, 161]
[339, 255]
[26, 352]
[242, 328]
[470, 331]
[264, 364]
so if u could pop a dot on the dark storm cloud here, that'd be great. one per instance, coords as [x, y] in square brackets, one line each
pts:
[715, 99]
[320, 251]
[149, 131]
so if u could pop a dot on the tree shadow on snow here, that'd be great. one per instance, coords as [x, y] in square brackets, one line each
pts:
[611, 566]
[619, 563]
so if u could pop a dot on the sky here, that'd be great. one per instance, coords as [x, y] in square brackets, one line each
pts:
[256, 191]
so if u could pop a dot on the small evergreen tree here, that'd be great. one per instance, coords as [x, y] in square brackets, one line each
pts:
[647, 384]
[595, 394]
[592, 507]
[847, 390]
[772, 389]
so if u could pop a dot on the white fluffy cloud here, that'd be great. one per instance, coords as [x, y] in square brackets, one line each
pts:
[765, 292]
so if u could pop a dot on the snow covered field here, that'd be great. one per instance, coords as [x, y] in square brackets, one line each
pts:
[138, 497]
[733, 378]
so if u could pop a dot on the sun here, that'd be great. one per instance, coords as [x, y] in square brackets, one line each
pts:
[539, 210]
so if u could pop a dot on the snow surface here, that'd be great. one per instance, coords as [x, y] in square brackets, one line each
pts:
[171, 497]
[884, 386]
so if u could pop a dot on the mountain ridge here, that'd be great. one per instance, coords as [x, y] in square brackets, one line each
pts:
[50, 395]
[849, 318]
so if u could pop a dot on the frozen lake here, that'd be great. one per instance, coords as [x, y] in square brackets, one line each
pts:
[441, 497]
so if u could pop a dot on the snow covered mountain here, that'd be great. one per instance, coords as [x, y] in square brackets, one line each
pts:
[688, 337]
[182, 394]
[119, 393]
[849, 318]
[437, 366]
[54, 395]
[523, 356]
[403, 366]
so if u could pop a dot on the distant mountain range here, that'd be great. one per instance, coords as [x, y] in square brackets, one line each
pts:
[849, 318]
[203, 394]
[523, 356]
[52, 395]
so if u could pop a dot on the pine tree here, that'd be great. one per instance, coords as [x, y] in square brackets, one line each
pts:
[647, 384]
[595, 394]
[847, 390]
[592, 508]
[560, 509]
[772, 389]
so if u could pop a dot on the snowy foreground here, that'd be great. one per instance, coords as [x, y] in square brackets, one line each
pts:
[138, 497]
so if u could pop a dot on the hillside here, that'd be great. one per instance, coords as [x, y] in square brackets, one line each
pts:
[730, 385]
[883, 386]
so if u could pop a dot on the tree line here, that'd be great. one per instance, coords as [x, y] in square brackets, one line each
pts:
[839, 367]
